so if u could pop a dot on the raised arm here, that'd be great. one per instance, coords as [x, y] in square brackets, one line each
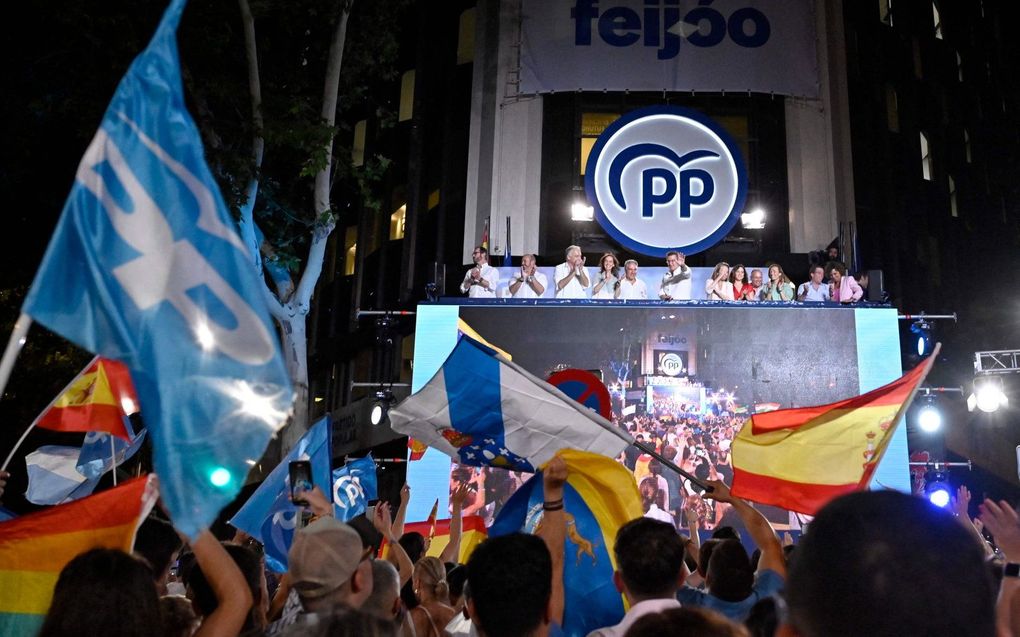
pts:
[233, 597]
[553, 529]
[451, 552]
[1003, 522]
[761, 531]
[398, 517]
[395, 554]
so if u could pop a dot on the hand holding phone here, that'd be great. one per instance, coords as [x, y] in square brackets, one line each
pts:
[300, 472]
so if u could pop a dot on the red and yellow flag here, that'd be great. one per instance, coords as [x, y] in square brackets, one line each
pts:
[35, 548]
[97, 399]
[431, 521]
[799, 459]
[473, 533]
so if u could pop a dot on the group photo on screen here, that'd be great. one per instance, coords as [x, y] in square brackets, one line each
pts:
[682, 380]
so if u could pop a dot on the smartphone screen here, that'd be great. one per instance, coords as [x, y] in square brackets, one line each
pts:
[300, 472]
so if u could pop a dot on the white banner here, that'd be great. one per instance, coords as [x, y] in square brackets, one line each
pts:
[764, 46]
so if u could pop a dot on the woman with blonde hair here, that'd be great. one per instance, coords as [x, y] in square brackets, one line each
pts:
[433, 592]
[606, 278]
[779, 287]
[718, 286]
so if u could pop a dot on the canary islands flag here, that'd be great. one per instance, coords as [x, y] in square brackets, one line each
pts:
[483, 409]
[599, 497]
[146, 267]
[799, 459]
[35, 548]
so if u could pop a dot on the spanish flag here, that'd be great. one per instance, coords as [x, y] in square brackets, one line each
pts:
[35, 548]
[98, 399]
[472, 534]
[799, 459]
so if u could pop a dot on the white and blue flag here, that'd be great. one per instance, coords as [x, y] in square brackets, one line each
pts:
[354, 484]
[268, 515]
[483, 409]
[53, 477]
[98, 455]
[145, 266]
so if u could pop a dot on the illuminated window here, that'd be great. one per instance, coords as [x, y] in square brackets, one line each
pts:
[358, 146]
[925, 158]
[892, 108]
[466, 37]
[350, 249]
[592, 125]
[397, 223]
[406, 96]
[885, 12]
[937, 20]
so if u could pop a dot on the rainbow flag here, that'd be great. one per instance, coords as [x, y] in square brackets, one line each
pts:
[473, 532]
[799, 459]
[98, 399]
[35, 548]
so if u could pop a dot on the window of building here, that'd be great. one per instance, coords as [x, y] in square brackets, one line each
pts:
[966, 146]
[953, 211]
[350, 249]
[592, 125]
[892, 108]
[406, 110]
[959, 67]
[885, 12]
[937, 20]
[466, 37]
[358, 145]
[925, 157]
[397, 223]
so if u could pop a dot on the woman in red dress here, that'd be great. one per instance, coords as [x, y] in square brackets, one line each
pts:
[742, 288]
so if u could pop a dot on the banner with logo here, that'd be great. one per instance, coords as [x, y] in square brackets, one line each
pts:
[765, 46]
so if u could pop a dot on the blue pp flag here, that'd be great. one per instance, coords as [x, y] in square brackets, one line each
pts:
[354, 484]
[98, 456]
[599, 497]
[268, 515]
[482, 409]
[146, 267]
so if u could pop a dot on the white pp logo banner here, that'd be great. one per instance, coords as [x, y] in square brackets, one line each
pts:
[666, 178]
[765, 46]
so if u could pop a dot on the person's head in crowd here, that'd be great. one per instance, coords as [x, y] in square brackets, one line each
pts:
[836, 271]
[630, 268]
[608, 263]
[655, 467]
[104, 592]
[649, 490]
[528, 262]
[329, 566]
[763, 618]
[573, 254]
[370, 537]
[456, 578]
[725, 533]
[480, 255]
[429, 579]
[669, 453]
[721, 270]
[832, 250]
[690, 622]
[649, 560]
[886, 563]
[179, 618]
[342, 621]
[250, 565]
[756, 278]
[816, 273]
[384, 601]
[776, 274]
[738, 274]
[510, 582]
[157, 543]
[674, 260]
[414, 544]
[862, 278]
[729, 575]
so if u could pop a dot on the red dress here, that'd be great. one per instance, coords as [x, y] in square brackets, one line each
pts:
[740, 289]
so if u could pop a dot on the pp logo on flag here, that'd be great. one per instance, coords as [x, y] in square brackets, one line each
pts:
[347, 491]
[666, 178]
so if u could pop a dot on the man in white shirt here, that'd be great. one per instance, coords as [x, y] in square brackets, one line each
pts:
[649, 559]
[676, 284]
[571, 277]
[631, 287]
[814, 290]
[529, 283]
[757, 282]
[481, 281]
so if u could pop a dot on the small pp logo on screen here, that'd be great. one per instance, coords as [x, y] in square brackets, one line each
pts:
[671, 364]
[666, 178]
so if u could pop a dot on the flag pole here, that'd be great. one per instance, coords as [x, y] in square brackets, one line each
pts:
[113, 459]
[18, 337]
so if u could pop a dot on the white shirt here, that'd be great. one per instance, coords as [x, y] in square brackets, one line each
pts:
[635, 290]
[636, 612]
[680, 291]
[656, 513]
[478, 291]
[572, 290]
[723, 291]
[607, 291]
[525, 291]
[821, 294]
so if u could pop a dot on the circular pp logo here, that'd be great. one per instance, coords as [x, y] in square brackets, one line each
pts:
[671, 365]
[666, 178]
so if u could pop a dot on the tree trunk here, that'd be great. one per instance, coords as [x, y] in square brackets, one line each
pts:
[295, 350]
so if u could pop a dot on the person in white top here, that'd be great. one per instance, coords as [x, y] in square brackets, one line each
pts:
[631, 287]
[529, 283]
[718, 286]
[606, 278]
[814, 290]
[676, 284]
[649, 562]
[481, 281]
[571, 277]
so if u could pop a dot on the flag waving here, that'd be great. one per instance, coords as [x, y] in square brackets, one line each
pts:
[799, 459]
[146, 267]
[98, 399]
[483, 409]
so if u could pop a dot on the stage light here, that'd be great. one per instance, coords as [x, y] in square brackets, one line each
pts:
[988, 395]
[922, 335]
[937, 488]
[929, 419]
[580, 211]
[753, 220]
[381, 406]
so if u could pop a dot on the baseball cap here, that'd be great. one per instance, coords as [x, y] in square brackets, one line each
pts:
[323, 556]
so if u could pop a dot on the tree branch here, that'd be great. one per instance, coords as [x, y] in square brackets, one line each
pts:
[248, 232]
